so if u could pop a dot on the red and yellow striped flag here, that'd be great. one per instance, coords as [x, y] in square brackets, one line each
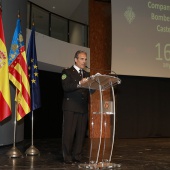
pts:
[18, 73]
[5, 100]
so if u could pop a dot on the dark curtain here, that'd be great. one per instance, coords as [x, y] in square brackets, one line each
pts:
[143, 108]
[47, 119]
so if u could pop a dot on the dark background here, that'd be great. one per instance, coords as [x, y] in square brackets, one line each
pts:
[47, 119]
[142, 107]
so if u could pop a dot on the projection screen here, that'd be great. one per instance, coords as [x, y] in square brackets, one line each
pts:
[141, 37]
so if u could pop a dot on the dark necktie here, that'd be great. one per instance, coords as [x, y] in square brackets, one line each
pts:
[81, 73]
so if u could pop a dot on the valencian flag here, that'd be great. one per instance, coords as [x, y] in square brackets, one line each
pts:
[18, 72]
[5, 100]
[33, 72]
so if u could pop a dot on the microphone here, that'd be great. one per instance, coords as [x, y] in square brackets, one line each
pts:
[101, 70]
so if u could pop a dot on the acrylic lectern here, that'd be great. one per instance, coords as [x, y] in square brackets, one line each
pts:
[101, 147]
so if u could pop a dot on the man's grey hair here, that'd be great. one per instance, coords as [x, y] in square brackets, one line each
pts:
[78, 52]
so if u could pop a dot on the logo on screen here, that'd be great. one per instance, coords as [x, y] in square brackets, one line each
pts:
[129, 15]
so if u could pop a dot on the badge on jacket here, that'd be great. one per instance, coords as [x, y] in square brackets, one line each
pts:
[63, 76]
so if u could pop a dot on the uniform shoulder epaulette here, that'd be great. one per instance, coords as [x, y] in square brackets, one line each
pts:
[66, 68]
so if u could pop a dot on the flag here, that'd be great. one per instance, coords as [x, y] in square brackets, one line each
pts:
[33, 72]
[5, 100]
[18, 73]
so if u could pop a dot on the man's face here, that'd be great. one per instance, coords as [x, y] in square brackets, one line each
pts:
[81, 60]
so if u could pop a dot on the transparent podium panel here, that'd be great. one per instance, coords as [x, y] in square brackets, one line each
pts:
[102, 122]
[101, 148]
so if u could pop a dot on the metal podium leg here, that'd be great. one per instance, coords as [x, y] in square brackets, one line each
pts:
[113, 165]
[104, 142]
[113, 135]
[94, 164]
[101, 122]
[91, 141]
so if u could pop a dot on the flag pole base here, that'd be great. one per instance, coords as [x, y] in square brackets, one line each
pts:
[14, 153]
[32, 150]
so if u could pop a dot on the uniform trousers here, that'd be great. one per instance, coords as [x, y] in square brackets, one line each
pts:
[74, 129]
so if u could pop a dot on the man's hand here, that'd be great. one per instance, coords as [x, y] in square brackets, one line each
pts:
[84, 80]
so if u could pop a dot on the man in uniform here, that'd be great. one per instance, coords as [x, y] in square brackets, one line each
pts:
[75, 108]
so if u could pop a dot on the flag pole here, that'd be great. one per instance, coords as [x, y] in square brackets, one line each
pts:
[34, 84]
[14, 152]
[32, 150]
[18, 72]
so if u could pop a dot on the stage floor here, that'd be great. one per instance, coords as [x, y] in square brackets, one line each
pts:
[132, 154]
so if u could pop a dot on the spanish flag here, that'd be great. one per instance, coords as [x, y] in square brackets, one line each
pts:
[5, 100]
[18, 73]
